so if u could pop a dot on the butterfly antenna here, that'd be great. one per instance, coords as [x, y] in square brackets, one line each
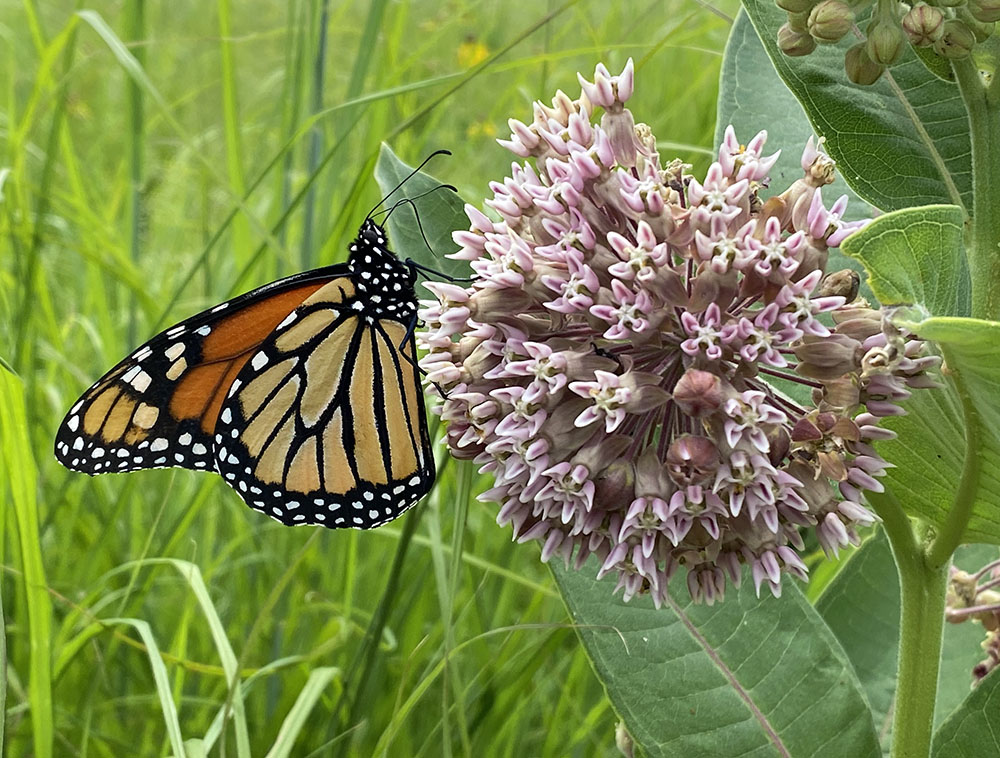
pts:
[409, 261]
[408, 177]
[416, 214]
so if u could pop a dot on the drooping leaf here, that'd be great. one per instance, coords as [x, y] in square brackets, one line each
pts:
[440, 213]
[763, 677]
[901, 142]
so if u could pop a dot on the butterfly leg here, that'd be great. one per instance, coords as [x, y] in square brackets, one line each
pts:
[415, 267]
[607, 354]
[406, 341]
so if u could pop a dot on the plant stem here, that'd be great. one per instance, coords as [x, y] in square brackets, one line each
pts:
[921, 625]
[983, 246]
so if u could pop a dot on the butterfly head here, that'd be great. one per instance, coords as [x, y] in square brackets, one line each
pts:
[381, 279]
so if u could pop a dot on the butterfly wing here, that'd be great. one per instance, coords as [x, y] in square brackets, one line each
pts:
[326, 423]
[159, 406]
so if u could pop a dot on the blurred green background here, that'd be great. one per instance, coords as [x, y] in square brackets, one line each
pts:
[160, 157]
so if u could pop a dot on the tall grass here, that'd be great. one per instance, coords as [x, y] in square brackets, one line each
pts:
[157, 157]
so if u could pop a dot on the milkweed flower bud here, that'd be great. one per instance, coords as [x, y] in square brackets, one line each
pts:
[956, 41]
[923, 25]
[885, 40]
[986, 11]
[981, 30]
[608, 364]
[795, 42]
[830, 21]
[861, 69]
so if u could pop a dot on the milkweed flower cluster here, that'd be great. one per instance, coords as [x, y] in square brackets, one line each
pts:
[610, 362]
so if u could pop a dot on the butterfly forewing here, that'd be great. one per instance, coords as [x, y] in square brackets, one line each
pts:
[158, 407]
[325, 424]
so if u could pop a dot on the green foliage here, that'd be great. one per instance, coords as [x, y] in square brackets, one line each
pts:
[916, 257]
[761, 676]
[901, 142]
[440, 214]
[971, 730]
[861, 607]
[155, 160]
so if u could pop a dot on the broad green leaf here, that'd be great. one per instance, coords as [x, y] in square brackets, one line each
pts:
[901, 142]
[861, 607]
[973, 730]
[915, 257]
[21, 473]
[440, 213]
[763, 677]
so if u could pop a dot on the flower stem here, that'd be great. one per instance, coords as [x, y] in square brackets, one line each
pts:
[921, 627]
[983, 105]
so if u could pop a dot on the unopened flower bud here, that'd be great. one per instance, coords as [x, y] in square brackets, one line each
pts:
[982, 30]
[843, 283]
[795, 43]
[795, 6]
[957, 40]
[861, 69]
[692, 460]
[830, 21]
[923, 25]
[986, 11]
[615, 486]
[598, 455]
[698, 393]
[828, 357]
[885, 41]
[623, 740]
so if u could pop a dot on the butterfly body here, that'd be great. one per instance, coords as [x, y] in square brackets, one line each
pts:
[298, 393]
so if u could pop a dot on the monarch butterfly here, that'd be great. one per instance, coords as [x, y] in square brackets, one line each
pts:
[298, 393]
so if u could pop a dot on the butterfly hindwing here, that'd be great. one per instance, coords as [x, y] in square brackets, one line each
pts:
[325, 424]
[159, 405]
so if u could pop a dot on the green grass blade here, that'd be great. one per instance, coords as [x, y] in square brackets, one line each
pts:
[296, 718]
[231, 122]
[22, 476]
[161, 680]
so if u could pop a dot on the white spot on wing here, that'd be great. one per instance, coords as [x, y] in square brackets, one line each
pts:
[259, 361]
[141, 381]
[174, 351]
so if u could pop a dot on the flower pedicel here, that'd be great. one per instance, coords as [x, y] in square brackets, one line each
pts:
[609, 364]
